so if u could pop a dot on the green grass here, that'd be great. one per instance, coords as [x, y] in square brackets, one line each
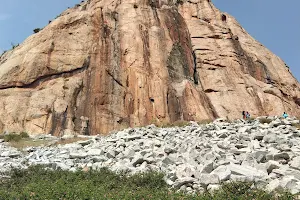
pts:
[37, 183]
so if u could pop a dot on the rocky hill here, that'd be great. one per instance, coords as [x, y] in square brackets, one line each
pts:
[193, 158]
[106, 65]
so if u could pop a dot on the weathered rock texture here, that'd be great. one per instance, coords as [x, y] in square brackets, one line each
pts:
[105, 65]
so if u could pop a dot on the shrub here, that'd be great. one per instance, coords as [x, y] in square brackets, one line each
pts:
[12, 137]
[13, 46]
[265, 120]
[3, 53]
[24, 135]
[37, 30]
[248, 191]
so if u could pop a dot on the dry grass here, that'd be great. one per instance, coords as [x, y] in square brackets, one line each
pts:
[205, 121]
[21, 144]
[68, 141]
[296, 125]
[22, 140]
[265, 120]
[179, 123]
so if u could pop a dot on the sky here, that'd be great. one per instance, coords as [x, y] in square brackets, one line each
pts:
[274, 23]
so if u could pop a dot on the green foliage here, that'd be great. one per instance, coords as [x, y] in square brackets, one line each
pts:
[247, 191]
[265, 120]
[38, 183]
[36, 30]
[14, 137]
[13, 46]
[24, 135]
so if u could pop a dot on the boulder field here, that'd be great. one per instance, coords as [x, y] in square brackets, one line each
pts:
[106, 65]
[196, 157]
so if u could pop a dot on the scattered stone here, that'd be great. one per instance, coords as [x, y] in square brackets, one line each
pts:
[245, 171]
[77, 155]
[193, 158]
[183, 181]
[280, 156]
[273, 185]
[84, 142]
[271, 165]
[213, 187]
[10, 154]
[295, 163]
[206, 179]
[222, 172]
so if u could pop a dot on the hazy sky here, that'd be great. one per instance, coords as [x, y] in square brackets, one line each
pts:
[274, 23]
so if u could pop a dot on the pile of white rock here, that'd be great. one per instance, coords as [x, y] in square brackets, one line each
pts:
[193, 158]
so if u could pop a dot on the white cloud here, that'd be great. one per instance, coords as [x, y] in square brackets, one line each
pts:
[4, 16]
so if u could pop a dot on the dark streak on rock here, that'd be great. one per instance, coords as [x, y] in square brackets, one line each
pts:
[48, 77]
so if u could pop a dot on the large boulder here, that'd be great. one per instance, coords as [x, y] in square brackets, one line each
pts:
[105, 65]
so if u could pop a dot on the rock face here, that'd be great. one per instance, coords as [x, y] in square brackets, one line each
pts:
[193, 158]
[106, 65]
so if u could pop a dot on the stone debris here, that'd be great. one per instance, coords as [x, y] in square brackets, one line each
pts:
[193, 158]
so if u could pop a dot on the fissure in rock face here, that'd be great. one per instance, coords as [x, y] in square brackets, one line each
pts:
[106, 65]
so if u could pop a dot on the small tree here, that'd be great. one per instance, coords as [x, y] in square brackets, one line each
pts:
[14, 45]
[36, 30]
